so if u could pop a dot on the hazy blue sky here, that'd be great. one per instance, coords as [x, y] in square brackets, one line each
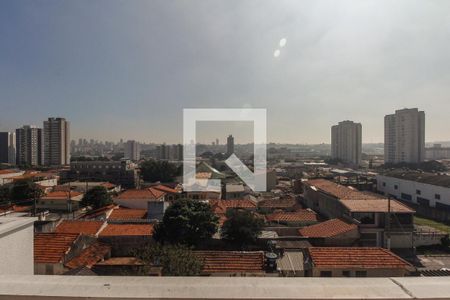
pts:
[128, 68]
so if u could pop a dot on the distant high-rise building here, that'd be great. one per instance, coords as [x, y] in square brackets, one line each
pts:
[8, 147]
[176, 152]
[56, 142]
[230, 145]
[217, 142]
[346, 142]
[404, 136]
[132, 151]
[29, 146]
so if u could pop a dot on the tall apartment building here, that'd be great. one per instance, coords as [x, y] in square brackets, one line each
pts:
[8, 148]
[346, 142]
[404, 136]
[132, 151]
[29, 146]
[230, 145]
[56, 142]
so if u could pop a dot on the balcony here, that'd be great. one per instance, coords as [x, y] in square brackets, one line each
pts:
[17, 287]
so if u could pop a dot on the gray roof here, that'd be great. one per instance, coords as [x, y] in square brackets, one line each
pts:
[291, 261]
[428, 178]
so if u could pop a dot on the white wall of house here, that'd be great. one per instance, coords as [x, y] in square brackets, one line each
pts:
[396, 187]
[16, 246]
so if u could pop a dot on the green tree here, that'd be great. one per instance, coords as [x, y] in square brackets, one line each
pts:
[241, 228]
[187, 222]
[96, 197]
[25, 190]
[4, 194]
[163, 171]
[175, 260]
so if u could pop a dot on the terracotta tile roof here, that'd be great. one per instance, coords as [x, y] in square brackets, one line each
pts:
[51, 247]
[328, 228]
[150, 194]
[127, 214]
[351, 257]
[90, 256]
[56, 195]
[223, 205]
[121, 261]
[277, 203]
[303, 215]
[340, 191]
[98, 212]
[376, 205]
[127, 230]
[79, 227]
[8, 171]
[108, 185]
[231, 261]
[166, 189]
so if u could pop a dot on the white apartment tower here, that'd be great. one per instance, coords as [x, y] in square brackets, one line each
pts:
[132, 151]
[29, 146]
[346, 142]
[404, 136]
[230, 145]
[56, 142]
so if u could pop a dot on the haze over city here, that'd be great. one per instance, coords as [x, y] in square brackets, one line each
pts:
[127, 69]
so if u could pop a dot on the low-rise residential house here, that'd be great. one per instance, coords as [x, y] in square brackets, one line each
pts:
[234, 191]
[232, 263]
[370, 211]
[291, 264]
[139, 198]
[302, 217]
[334, 232]
[101, 213]
[84, 186]
[119, 266]
[43, 179]
[285, 204]
[221, 207]
[92, 254]
[127, 214]
[7, 175]
[172, 193]
[53, 250]
[355, 262]
[86, 227]
[60, 201]
[124, 238]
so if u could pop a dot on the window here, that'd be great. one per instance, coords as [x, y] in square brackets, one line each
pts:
[423, 201]
[418, 192]
[407, 197]
[396, 187]
[437, 196]
[361, 273]
[325, 273]
[365, 218]
[346, 273]
[384, 183]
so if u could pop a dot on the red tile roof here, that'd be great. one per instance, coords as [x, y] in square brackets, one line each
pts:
[376, 205]
[56, 195]
[340, 191]
[166, 189]
[8, 171]
[51, 247]
[350, 257]
[127, 230]
[122, 261]
[128, 214]
[108, 185]
[150, 194]
[277, 203]
[231, 261]
[303, 215]
[79, 227]
[98, 212]
[90, 256]
[222, 205]
[328, 228]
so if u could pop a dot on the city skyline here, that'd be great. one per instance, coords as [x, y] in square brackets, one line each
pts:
[61, 59]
